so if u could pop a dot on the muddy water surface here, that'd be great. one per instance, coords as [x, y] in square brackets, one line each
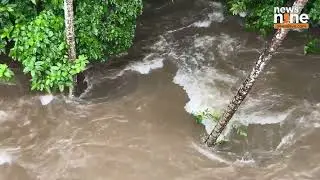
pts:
[134, 121]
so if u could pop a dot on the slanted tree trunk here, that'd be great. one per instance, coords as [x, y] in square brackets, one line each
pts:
[246, 86]
[70, 36]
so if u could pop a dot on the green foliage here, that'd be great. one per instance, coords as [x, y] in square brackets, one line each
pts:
[260, 15]
[41, 48]
[6, 26]
[207, 114]
[88, 29]
[314, 13]
[36, 30]
[109, 29]
[5, 73]
[215, 116]
[53, 4]
[237, 7]
[121, 24]
[16, 11]
[312, 46]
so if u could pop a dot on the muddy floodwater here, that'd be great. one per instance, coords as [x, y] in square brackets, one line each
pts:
[134, 120]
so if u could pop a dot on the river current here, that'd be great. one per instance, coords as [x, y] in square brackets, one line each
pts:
[134, 121]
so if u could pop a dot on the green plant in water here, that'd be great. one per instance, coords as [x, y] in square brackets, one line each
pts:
[215, 116]
[207, 114]
[241, 130]
[5, 73]
[312, 46]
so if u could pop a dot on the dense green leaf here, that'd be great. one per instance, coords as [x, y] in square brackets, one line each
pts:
[259, 15]
[37, 29]
[5, 73]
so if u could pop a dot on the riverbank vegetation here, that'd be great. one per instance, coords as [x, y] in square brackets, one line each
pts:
[258, 16]
[246, 86]
[212, 115]
[32, 33]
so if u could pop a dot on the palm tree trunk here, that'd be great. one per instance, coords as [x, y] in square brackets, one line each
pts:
[70, 36]
[246, 86]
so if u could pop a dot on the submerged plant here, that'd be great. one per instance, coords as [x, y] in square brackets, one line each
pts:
[312, 46]
[241, 130]
[215, 116]
[5, 73]
[207, 114]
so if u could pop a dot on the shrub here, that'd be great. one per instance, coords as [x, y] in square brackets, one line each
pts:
[33, 30]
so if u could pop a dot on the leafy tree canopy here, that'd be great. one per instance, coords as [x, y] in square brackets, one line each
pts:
[259, 17]
[32, 32]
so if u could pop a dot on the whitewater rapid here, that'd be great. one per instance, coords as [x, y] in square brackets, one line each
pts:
[207, 86]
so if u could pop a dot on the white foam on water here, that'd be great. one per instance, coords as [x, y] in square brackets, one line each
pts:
[200, 85]
[202, 82]
[207, 87]
[3, 116]
[204, 42]
[212, 17]
[315, 117]
[245, 162]
[317, 125]
[209, 154]
[147, 65]
[227, 45]
[215, 16]
[202, 24]
[179, 29]
[5, 157]
[151, 61]
[208, 124]
[216, 4]
[46, 99]
[286, 140]
[262, 116]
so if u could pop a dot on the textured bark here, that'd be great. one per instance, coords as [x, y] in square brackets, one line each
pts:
[70, 36]
[246, 86]
[68, 19]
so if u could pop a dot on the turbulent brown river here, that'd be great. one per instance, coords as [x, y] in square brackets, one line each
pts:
[134, 121]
